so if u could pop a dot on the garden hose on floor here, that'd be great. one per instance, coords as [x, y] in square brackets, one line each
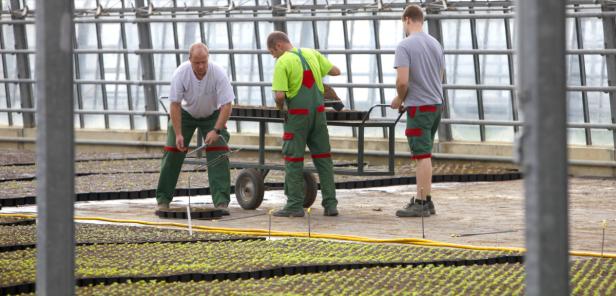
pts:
[264, 232]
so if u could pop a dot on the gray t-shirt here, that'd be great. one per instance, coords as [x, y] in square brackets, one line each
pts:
[424, 57]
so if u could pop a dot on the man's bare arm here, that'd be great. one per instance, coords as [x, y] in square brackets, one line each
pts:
[176, 120]
[223, 116]
[279, 97]
[402, 87]
[334, 71]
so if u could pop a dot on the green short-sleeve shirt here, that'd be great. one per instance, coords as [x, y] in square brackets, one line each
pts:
[288, 71]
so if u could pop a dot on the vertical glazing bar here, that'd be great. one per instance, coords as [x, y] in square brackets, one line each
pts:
[5, 73]
[477, 67]
[78, 87]
[609, 35]
[260, 61]
[147, 66]
[55, 156]
[315, 29]
[101, 70]
[435, 30]
[277, 11]
[176, 41]
[582, 65]
[542, 81]
[23, 64]
[379, 68]
[347, 56]
[232, 65]
[510, 62]
[202, 27]
[129, 93]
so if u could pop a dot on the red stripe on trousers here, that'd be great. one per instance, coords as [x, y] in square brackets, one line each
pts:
[298, 111]
[413, 132]
[427, 108]
[171, 149]
[287, 136]
[421, 156]
[293, 159]
[322, 155]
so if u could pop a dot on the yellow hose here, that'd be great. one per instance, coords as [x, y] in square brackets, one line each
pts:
[264, 232]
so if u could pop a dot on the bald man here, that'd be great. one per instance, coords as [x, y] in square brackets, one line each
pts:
[201, 97]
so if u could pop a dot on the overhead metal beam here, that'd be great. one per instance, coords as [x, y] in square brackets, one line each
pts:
[542, 87]
[147, 67]
[55, 149]
[23, 63]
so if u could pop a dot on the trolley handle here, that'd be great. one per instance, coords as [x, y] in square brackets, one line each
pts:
[160, 101]
[202, 147]
[382, 106]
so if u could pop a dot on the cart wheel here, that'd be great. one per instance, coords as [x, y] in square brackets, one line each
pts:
[249, 189]
[310, 189]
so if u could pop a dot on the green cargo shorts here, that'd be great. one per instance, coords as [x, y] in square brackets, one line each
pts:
[421, 125]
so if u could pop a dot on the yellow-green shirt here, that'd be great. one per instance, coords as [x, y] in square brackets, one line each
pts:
[288, 71]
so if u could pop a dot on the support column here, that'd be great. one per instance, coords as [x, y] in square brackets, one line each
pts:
[55, 148]
[542, 92]
[147, 66]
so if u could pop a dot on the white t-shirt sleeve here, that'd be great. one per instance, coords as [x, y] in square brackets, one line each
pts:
[177, 89]
[224, 90]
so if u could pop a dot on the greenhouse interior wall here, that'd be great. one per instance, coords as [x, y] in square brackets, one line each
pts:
[126, 52]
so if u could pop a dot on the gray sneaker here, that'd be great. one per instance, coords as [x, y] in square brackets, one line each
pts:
[414, 209]
[224, 208]
[431, 205]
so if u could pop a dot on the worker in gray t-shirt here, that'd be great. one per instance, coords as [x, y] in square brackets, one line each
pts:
[420, 67]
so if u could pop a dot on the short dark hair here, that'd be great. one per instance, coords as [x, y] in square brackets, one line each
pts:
[413, 12]
[275, 37]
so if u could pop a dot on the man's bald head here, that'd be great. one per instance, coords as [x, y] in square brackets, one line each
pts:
[197, 48]
[198, 57]
[277, 43]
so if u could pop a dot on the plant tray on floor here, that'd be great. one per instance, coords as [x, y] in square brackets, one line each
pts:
[195, 213]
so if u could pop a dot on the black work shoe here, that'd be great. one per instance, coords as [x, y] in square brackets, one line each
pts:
[430, 205]
[224, 208]
[161, 207]
[416, 208]
[289, 213]
[331, 212]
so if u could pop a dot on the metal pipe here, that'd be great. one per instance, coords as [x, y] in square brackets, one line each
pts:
[245, 18]
[542, 85]
[55, 155]
[448, 121]
[608, 51]
[346, 85]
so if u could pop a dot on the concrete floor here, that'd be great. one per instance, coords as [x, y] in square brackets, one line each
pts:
[462, 208]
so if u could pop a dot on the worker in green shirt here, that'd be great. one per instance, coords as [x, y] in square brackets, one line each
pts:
[298, 82]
